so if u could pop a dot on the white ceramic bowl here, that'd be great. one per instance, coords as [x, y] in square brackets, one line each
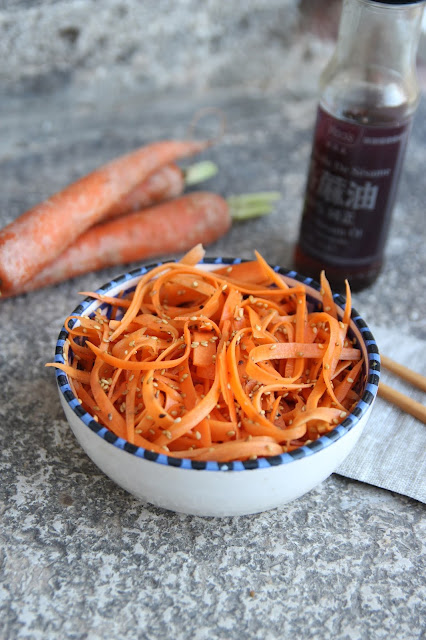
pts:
[211, 488]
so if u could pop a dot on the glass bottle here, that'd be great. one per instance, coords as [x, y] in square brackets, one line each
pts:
[368, 96]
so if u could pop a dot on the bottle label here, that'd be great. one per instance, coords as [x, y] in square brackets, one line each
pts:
[352, 183]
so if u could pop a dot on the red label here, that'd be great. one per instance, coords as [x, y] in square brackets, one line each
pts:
[352, 183]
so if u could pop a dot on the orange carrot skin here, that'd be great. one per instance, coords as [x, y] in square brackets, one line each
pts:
[170, 227]
[41, 234]
[166, 183]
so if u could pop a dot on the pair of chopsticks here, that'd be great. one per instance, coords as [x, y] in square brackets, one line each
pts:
[397, 398]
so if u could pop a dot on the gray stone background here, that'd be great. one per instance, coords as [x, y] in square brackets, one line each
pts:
[158, 44]
[80, 82]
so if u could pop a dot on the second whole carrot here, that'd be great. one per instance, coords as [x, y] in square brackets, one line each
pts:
[166, 183]
[42, 233]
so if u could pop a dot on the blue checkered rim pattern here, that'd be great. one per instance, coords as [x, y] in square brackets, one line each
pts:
[324, 441]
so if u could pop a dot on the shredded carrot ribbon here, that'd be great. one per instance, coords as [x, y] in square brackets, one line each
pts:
[215, 365]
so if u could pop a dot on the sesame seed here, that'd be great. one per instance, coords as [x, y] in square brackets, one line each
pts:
[326, 366]
[132, 343]
[193, 318]
[258, 327]
[195, 284]
[110, 416]
[151, 431]
[224, 288]
[178, 420]
[195, 344]
[197, 434]
[272, 347]
[204, 343]
[230, 433]
[342, 414]
[300, 354]
[350, 379]
[168, 434]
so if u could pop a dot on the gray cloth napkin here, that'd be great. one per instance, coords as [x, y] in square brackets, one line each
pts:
[391, 452]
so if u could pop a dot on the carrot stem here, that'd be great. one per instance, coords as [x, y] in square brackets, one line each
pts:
[252, 205]
[199, 172]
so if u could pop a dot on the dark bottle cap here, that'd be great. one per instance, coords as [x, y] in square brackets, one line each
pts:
[400, 2]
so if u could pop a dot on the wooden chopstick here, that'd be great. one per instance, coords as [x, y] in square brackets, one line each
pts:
[397, 398]
[402, 401]
[416, 379]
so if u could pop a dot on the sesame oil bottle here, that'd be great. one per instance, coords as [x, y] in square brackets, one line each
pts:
[368, 96]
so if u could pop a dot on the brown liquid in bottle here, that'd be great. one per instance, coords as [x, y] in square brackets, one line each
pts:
[352, 182]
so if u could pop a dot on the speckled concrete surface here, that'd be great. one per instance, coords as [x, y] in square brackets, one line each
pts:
[82, 559]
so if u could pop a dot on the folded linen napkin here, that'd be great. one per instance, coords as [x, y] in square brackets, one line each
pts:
[391, 452]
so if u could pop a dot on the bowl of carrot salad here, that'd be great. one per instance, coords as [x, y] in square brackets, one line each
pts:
[214, 386]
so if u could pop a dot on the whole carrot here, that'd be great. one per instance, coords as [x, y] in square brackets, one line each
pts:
[171, 227]
[164, 184]
[42, 233]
